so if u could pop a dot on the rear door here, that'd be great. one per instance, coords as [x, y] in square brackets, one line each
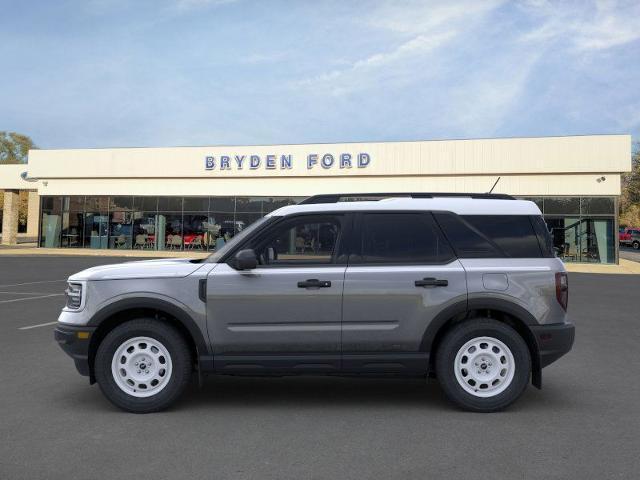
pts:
[402, 274]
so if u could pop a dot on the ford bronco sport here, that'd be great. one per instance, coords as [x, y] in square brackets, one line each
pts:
[464, 288]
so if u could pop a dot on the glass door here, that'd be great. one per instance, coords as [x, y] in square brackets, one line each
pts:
[96, 230]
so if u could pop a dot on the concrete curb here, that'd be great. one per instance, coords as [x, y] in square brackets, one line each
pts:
[626, 267]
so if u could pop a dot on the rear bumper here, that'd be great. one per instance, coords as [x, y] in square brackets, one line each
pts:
[75, 340]
[553, 341]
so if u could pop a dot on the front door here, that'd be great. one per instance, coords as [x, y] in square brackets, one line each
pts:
[401, 275]
[286, 313]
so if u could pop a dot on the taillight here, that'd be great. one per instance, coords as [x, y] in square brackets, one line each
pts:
[562, 289]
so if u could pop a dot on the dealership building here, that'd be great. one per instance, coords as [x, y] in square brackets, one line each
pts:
[196, 198]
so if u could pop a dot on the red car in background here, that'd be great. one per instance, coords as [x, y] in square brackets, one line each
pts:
[629, 237]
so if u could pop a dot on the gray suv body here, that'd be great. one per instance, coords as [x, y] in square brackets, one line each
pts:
[466, 289]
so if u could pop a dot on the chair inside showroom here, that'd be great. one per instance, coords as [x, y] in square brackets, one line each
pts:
[121, 241]
[176, 242]
[196, 242]
[141, 241]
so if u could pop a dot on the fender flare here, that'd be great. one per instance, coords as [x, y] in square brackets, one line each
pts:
[511, 308]
[202, 347]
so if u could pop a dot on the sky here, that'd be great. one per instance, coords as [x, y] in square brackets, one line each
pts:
[115, 73]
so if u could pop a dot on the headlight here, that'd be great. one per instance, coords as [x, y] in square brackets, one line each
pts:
[74, 295]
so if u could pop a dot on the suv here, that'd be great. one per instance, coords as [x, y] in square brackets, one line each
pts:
[465, 289]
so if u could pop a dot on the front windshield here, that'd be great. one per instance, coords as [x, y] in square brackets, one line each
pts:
[222, 251]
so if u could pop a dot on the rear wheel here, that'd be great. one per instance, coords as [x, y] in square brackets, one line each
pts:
[483, 365]
[636, 245]
[143, 365]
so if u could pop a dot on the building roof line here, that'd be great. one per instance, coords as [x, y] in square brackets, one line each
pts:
[343, 142]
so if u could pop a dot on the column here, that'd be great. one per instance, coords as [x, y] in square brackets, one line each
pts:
[10, 217]
[33, 214]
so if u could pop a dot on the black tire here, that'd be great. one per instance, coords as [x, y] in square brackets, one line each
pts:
[177, 348]
[636, 245]
[456, 338]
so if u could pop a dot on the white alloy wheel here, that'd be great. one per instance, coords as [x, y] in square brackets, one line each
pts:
[484, 367]
[141, 366]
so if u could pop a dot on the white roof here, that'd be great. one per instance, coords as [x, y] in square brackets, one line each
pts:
[459, 205]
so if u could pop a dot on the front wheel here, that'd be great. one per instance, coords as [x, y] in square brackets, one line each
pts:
[483, 365]
[143, 365]
[636, 245]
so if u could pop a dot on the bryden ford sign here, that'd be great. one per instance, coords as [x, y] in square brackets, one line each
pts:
[286, 162]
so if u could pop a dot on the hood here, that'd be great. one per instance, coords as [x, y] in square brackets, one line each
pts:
[165, 268]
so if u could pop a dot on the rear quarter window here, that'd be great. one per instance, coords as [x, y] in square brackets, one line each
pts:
[491, 236]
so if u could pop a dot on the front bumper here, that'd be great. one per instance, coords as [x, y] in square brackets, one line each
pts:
[553, 341]
[75, 340]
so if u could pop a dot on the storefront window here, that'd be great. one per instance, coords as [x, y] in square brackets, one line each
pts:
[51, 224]
[582, 228]
[249, 204]
[244, 219]
[120, 204]
[144, 230]
[195, 230]
[96, 228]
[169, 231]
[220, 229]
[597, 206]
[222, 204]
[170, 204]
[196, 204]
[72, 222]
[120, 230]
[561, 206]
[145, 204]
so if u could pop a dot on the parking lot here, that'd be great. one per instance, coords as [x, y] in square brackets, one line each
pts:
[630, 254]
[584, 423]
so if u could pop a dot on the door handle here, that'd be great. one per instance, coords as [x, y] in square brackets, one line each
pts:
[314, 283]
[431, 282]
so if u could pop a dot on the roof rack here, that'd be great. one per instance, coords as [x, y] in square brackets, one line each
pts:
[341, 197]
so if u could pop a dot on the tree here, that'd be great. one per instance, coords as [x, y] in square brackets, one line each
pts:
[14, 147]
[630, 198]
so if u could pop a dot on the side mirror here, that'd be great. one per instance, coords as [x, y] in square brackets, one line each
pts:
[245, 260]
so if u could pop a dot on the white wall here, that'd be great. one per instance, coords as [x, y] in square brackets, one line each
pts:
[529, 166]
[554, 184]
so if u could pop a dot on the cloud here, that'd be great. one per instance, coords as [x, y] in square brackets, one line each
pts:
[420, 17]
[365, 72]
[480, 105]
[161, 72]
[606, 26]
[420, 29]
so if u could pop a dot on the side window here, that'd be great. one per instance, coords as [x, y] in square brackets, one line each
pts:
[514, 234]
[467, 241]
[306, 240]
[491, 236]
[402, 238]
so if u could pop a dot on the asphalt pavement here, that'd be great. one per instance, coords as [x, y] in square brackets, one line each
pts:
[628, 253]
[583, 424]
